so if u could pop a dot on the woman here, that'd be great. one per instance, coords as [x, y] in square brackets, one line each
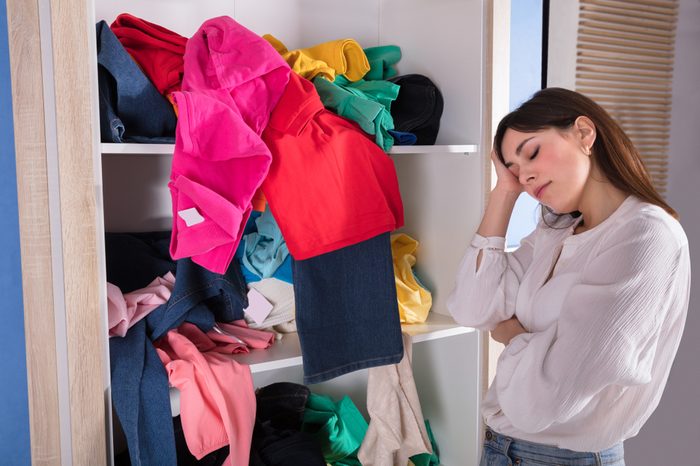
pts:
[591, 306]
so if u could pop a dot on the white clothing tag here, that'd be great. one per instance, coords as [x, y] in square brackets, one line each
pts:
[258, 306]
[191, 216]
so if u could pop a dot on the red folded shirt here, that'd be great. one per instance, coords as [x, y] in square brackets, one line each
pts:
[158, 51]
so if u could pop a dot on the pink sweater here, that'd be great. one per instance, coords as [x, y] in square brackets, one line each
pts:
[233, 79]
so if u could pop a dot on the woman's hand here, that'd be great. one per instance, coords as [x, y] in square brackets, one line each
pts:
[507, 181]
[506, 330]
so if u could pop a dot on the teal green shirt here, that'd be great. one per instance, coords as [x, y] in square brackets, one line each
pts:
[365, 102]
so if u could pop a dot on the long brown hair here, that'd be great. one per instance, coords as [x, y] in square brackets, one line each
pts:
[612, 151]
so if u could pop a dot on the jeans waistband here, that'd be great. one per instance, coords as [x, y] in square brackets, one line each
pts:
[549, 454]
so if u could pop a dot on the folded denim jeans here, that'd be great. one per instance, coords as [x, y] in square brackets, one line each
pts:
[346, 310]
[131, 108]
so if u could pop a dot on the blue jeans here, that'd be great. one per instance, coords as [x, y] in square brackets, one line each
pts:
[131, 108]
[139, 382]
[346, 310]
[500, 450]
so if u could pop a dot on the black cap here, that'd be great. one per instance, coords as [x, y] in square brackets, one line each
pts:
[418, 107]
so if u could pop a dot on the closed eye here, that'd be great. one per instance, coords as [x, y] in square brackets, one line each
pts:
[534, 154]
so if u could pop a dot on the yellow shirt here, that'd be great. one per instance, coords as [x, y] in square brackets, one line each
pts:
[343, 56]
[414, 300]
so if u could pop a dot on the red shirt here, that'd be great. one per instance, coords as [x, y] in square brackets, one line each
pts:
[329, 185]
[158, 51]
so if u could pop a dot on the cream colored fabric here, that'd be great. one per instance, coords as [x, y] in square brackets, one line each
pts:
[281, 295]
[396, 429]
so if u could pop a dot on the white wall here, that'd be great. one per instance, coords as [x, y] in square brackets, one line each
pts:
[671, 435]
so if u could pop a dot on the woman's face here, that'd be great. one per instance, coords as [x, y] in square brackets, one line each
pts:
[551, 165]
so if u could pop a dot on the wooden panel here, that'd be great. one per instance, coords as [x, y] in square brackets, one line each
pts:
[74, 82]
[35, 231]
[625, 63]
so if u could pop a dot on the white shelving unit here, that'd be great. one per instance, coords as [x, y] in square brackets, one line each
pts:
[167, 149]
[441, 185]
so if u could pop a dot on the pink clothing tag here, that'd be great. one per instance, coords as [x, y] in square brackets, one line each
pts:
[258, 307]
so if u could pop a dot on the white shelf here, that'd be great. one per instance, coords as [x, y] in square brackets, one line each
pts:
[167, 149]
[436, 149]
[139, 149]
[287, 352]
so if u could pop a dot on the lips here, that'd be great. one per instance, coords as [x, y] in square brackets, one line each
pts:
[538, 191]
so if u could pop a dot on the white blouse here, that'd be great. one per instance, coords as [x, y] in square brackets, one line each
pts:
[603, 331]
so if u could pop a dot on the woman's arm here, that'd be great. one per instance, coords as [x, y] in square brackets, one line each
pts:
[488, 279]
[497, 215]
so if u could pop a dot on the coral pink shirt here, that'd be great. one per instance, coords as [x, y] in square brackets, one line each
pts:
[217, 398]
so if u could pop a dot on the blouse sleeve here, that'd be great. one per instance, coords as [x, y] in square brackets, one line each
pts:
[607, 332]
[482, 298]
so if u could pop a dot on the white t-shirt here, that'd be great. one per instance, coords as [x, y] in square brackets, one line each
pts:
[603, 331]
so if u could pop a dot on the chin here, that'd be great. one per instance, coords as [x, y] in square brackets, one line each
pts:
[559, 208]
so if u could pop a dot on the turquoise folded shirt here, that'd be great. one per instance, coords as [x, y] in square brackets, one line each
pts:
[338, 427]
[265, 249]
[365, 102]
[382, 60]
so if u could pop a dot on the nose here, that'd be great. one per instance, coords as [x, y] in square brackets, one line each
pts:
[526, 177]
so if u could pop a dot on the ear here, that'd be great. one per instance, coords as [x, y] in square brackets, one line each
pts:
[585, 132]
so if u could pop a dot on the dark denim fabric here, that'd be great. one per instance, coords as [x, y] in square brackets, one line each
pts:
[135, 259]
[131, 108]
[277, 437]
[200, 297]
[139, 382]
[140, 398]
[346, 310]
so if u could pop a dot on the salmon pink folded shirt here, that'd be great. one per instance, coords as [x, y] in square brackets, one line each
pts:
[233, 79]
[217, 398]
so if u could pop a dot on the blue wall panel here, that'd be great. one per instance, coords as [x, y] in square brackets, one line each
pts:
[14, 410]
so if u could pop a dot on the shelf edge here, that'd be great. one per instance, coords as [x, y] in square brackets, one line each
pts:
[109, 148]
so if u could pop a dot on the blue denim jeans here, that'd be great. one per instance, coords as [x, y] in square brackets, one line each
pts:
[500, 450]
[131, 108]
[346, 310]
[139, 382]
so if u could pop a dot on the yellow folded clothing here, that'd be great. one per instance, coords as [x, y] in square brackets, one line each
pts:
[414, 300]
[344, 56]
[301, 63]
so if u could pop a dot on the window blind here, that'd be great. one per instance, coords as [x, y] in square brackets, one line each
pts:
[624, 62]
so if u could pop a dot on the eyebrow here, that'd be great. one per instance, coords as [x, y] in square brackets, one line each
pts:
[519, 149]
